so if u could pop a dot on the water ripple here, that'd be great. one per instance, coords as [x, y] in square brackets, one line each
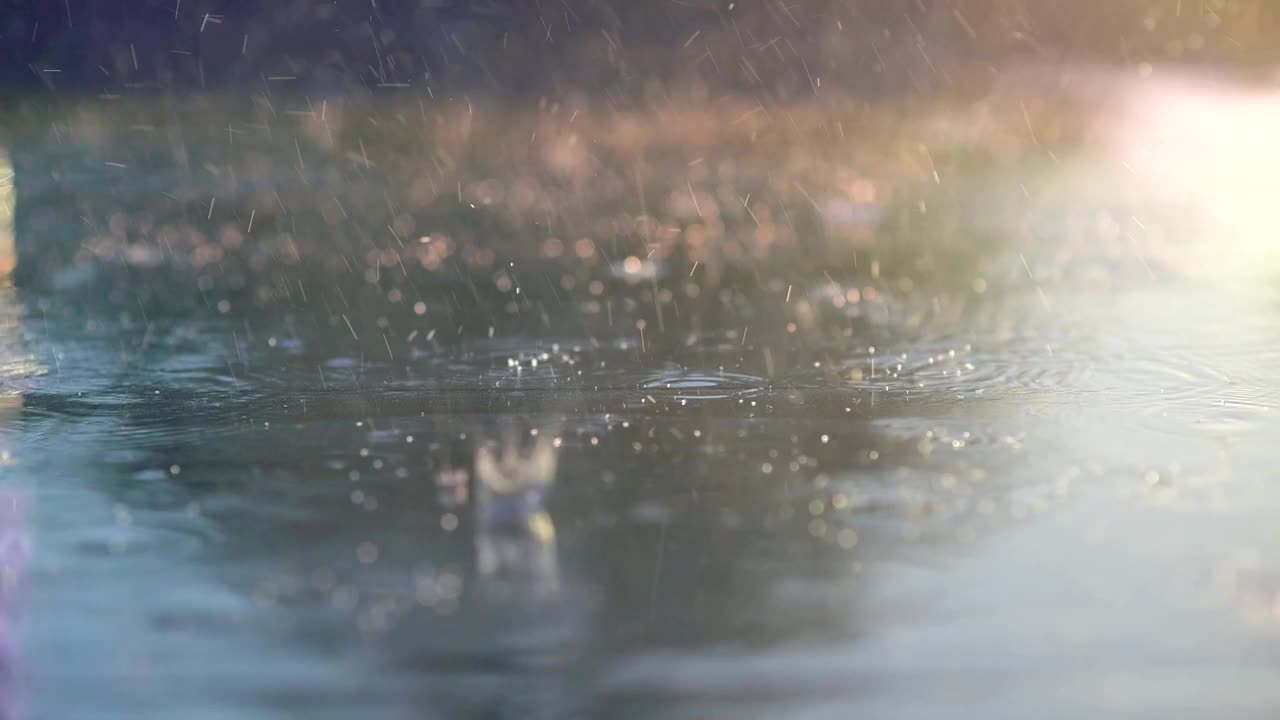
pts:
[694, 385]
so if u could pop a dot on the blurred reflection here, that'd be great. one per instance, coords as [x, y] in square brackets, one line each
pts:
[7, 255]
[515, 538]
[15, 554]
[16, 365]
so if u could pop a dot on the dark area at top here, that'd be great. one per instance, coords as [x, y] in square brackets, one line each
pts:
[777, 49]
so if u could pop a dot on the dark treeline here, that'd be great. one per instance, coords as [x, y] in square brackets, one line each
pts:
[773, 48]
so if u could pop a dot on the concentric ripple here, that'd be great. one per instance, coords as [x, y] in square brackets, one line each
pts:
[694, 385]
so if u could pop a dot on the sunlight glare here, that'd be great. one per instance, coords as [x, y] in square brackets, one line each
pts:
[1211, 147]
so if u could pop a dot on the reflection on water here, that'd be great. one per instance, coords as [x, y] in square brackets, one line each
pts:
[15, 554]
[515, 537]
[1020, 473]
[7, 254]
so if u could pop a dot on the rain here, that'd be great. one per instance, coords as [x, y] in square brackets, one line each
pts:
[638, 359]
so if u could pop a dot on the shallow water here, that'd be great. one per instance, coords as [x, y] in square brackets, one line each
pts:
[1052, 499]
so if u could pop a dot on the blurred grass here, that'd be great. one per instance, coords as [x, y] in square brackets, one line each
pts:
[348, 207]
[544, 171]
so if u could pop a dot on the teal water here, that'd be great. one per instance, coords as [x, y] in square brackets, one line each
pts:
[1049, 498]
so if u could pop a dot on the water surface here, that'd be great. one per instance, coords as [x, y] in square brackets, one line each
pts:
[1036, 483]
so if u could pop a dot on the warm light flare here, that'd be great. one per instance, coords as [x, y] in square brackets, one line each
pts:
[1212, 148]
